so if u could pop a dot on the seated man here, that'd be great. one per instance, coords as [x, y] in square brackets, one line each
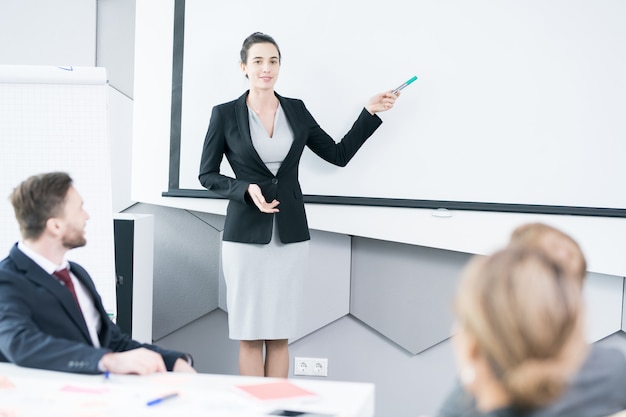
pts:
[55, 320]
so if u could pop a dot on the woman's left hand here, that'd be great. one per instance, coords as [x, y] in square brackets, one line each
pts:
[382, 102]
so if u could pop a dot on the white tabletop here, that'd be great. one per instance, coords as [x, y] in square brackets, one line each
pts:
[31, 392]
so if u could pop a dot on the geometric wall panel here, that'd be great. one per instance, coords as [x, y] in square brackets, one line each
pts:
[405, 291]
[185, 267]
[603, 296]
[327, 286]
[624, 304]
[216, 221]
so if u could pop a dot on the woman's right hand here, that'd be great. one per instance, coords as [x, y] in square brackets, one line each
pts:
[382, 102]
[254, 191]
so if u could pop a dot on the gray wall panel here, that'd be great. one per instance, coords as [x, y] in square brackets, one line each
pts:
[185, 267]
[327, 288]
[404, 291]
[624, 307]
[215, 221]
[406, 385]
[206, 339]
[603, 296]
[116, 43]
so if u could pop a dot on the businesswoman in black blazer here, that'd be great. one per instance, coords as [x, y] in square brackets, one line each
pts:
[265, 239]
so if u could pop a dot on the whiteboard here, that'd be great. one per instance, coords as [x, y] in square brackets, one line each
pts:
[515, 102]
[55, 119]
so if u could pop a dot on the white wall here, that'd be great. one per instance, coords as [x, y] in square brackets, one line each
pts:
[43, 32]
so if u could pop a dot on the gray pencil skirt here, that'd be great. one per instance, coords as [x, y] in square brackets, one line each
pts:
[264, 288]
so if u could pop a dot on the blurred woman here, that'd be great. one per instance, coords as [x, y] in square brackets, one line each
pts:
[520, 334]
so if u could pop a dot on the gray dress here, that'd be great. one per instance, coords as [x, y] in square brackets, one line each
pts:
[264, 283]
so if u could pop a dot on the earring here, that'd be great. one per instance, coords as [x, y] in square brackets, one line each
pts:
[468, 375]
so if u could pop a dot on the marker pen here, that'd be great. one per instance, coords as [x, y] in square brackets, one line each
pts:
[395, 90]
[161, 399]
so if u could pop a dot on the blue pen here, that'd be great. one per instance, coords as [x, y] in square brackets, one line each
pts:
[161, 399]
[395, 90]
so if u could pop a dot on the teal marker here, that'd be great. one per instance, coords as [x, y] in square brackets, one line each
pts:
[395, 90]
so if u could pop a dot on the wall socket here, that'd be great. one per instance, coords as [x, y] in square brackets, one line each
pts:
[310, 366]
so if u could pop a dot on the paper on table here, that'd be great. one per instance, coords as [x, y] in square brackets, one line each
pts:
[84, 390]
[276, 390]
[6, 383]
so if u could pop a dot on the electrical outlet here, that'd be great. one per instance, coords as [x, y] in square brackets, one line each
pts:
[310, 366]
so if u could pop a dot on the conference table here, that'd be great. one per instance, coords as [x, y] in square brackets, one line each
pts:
[26, 392]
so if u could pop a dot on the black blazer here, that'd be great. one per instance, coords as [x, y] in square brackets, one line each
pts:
[229, 134]
[41, 326]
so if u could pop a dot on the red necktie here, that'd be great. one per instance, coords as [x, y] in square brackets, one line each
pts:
[64, 276]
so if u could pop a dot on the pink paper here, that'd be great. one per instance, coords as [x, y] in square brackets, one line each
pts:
[83, 390]
[275, 390]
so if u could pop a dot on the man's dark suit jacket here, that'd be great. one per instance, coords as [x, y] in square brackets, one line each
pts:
[41, 325]
[229, 134]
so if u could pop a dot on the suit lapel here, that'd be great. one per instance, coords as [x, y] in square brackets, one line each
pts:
[39, 277]
[82, 275]
[243, 124]
[299, 136]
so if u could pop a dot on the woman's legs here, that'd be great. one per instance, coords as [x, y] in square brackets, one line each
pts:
[277, 358]
[276, 362]
[251, 358]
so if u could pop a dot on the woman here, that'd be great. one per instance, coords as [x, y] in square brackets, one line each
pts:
[265, 239]
[520, 336]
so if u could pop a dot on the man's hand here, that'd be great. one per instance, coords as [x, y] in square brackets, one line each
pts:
[182, 365]
[140, 361]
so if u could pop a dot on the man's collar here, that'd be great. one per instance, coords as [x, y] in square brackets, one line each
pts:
[45, 264]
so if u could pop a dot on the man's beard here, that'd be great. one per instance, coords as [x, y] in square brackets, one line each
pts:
[72, 242]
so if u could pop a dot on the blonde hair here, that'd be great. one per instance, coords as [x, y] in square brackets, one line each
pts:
[556, 244]
[524, 313]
